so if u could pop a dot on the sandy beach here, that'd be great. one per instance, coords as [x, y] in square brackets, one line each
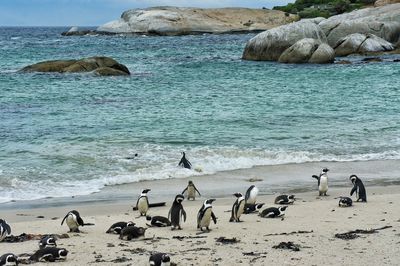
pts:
[314, 221]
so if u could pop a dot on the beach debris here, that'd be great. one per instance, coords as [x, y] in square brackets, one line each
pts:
[26, 237]
[152, 205]
[287, 245]
[180, 238]
[291, 233]
[254, 179]
[136, 250]
[40, 217]
[252, 253]
[355, 233]
[120, 259]
[225, 240]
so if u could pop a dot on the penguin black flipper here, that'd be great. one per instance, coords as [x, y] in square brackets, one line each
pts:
[318, 178]
[64, 218]
[214, 217]
[6, 227]
[184, 215]
[354, 189]
[200, 216]
[232, 219]
[197, 190]
[184, 190]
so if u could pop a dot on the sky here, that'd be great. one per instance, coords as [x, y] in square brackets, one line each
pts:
[98, 12]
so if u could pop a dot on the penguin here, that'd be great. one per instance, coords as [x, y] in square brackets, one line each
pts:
[176, 213]
[5, 229]
[251, 195]
[273, 212]
[8, 259]
[74, 220]
[131, 232]
[205, 215]
[158, 221]
[47, 241]
[345, 202]
[49, 254]
[142, 203]
[284, 199]
[359, 188]
[160, 259]
[184, 162]
[117, 227]
[191, 191]
[322, 182]
[250, 208]
[237, 208]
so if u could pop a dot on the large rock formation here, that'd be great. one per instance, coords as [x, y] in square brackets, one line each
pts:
[385, 2]
[100, 65]
[270, 44]
[180, 21]
[308, 51]
[383, 22]
[361, 43]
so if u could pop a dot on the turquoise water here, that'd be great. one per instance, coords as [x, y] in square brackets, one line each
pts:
[63, 135]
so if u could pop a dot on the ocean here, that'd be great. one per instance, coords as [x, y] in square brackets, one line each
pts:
[75, 134]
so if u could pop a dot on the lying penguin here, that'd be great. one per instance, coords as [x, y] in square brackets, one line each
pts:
[345, 202]
[5, 229]
[273, 212]
[8, 259]
[132, 232]
[250, 208]
[74, 220]
[160, 259]
[117, 227]
[359, 188]
[47, 241]
[49, 254]
[158, 221]
[285, 199]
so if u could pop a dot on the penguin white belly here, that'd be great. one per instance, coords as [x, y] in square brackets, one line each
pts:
[191, 192]
[142, 205]
[252, 196]
[165, 263]
[323, 185]
[205, 222]
[72, 222]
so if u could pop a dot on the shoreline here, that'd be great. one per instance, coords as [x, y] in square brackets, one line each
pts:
[314, 220]
[271, 179]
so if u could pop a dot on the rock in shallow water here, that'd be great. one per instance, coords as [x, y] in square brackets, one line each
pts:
[358, 43]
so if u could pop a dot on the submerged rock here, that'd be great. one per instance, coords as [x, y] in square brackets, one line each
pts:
[358, 43]
[181, 21]
[100, 65]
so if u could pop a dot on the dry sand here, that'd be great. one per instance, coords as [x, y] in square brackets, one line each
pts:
[321, 215]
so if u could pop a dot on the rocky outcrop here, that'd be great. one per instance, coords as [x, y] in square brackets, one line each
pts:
[308, 51]
[181, 21]
[383, 22]
[100, 65]
[270, 44]
[358, 43]
[385, 2]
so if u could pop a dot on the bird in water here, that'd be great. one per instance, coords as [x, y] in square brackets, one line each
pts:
[184, 162]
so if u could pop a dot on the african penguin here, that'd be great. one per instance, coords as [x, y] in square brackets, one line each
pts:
[177, 213]
[47, 241]
[117, 227]
[142, 203]
[251, 195]
[322, 181]
[158, 221]
[205, 215]
[191, 191]
[159, 259]
[49, 254]
[74, 220]
[184, 162]
[359, 188]
[345, 202]
[5, 229]
[237, 208]
[273, 212]
[284, 199]
[131, 232]
[8, 259]
[250, 208]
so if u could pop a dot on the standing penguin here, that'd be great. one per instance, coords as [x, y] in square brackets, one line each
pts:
[5, 229]
[359, 188]
[47, 241]
[185, 162]
[191, 191]
[74, 220]
[322, 182]
[205, 214]
[273, 212]
[142, 203]
[160, 259]
[237, 208]
[251, 195]
[285, 199]
[8, 259]
[176, 213]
